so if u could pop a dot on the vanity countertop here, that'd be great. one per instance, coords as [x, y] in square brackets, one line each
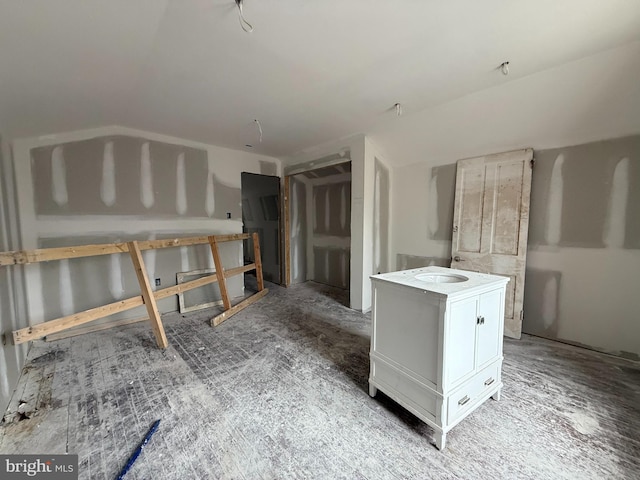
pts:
[426, 279]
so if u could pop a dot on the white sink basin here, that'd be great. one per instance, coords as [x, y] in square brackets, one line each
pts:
[441, 278]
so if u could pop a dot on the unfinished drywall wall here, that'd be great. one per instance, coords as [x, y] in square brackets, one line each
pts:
[122, 175]
[330, 239]
[116, 184]
[584, 254]
[422, 209]
[584, 250]
[298, 221]
[11, 356]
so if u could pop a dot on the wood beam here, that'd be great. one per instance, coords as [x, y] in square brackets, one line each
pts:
[215, 321]
[258, 261]
[222, 282]
[148, 295]
[52, 326]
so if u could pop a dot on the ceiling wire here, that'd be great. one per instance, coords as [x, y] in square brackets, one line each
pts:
[505, 68]
[398, 108]
[259, 128]
[246, 26]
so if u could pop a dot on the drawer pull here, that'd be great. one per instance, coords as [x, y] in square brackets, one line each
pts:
[488, 382]
[464, 400]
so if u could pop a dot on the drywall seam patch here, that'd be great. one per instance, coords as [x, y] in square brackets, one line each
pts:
[184, 259]
[614, 231]
[146, 179]
[432, 212]
[181, 186]
[108, 183]
[554, 203]
[550, 302]
[66, 289]
[59, 177]
[150, 262]
[210, 202]
[116, 286]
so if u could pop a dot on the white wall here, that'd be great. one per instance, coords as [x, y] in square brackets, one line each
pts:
[591, 99]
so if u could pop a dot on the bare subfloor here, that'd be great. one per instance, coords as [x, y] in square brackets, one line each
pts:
[280, 391]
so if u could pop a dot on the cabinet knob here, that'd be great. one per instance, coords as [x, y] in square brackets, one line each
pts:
[457, 258]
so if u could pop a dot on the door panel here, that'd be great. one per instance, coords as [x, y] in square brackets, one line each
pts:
[488, 330]
[470, 213]
[506, 213]
[460, 359]
[493, 192]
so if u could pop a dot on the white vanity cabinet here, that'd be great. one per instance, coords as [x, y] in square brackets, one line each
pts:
[436, 342]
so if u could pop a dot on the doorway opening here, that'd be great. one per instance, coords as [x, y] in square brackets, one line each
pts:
[319, 225]
[261, 215]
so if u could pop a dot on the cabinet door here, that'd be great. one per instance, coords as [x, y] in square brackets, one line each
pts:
[489, 328]
[461, 339]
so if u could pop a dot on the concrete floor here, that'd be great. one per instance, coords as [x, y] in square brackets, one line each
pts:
[280, 391]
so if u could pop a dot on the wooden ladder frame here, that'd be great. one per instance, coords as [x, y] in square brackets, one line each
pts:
[147, 296]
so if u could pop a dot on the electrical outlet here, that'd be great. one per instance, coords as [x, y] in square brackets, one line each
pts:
[157, 282]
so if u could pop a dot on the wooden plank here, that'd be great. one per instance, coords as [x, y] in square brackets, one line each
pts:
[222, 282]
[63, 323]
[215, 321]
[52, 326]
[22, 257]
[238, 270]
[258, 261]
[148, 295]
[200, 282]
[173, 242]
[232, 237]
[93, 328]
[287, 231]
[185, 287]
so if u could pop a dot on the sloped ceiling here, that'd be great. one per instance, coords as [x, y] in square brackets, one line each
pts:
[311, 71]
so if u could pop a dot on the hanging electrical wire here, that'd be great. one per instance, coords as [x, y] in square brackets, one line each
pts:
[246, 26]
[505, 68]
[398, 108]
[259, 128]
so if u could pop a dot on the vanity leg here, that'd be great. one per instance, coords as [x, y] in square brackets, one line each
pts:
[496, 396]
[372, 390]
[441, 439]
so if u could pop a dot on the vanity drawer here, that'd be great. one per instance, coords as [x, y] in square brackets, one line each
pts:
[466, 398]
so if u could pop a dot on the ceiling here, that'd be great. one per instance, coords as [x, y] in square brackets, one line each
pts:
[331, 170]
[310, 72]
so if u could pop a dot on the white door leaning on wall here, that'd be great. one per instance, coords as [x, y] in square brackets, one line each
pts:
[491, 222]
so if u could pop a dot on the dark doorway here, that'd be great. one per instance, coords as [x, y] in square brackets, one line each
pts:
[261, 214]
